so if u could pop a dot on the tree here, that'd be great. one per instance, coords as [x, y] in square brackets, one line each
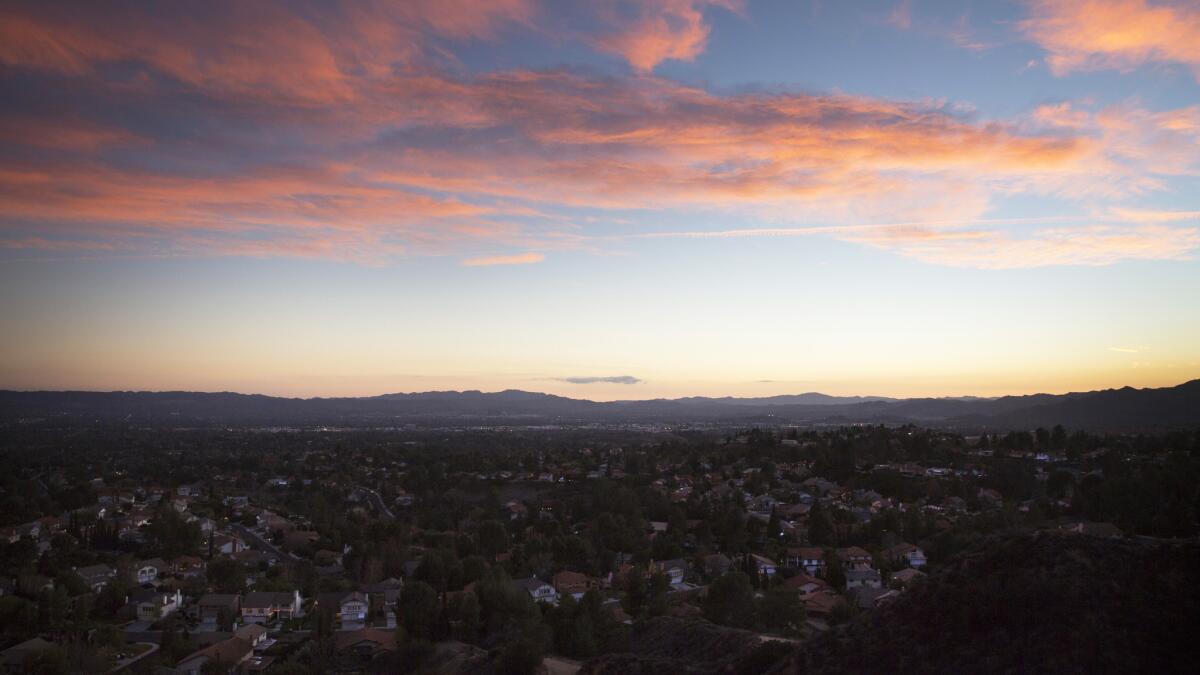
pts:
[730, 601]
[636, 593]
[419, 608]
[834, 574]
[493, 538]
[521, 657]
[820, 527]
[780, 611]
[226, 575]
[467, 614]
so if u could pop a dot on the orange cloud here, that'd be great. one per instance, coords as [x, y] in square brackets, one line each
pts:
[262, 50]
[1116, 34]
[518, 259]
[344, 139]
[663, 31]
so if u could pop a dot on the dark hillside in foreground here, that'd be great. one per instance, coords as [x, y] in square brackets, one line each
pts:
[1033, 603]
[1120, 410]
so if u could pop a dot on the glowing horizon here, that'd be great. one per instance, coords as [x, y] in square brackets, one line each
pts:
[604, 200]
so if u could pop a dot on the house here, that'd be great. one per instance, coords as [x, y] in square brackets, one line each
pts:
[188, 566]
[159, 605]
[356, 650]
[298, 539]
[14, 658]
[573, 584]
[516, 510]
[675, 570]
[866, 597]
[854, 557]
[265, 607]
[793, 512]
[804, 585]
[810, 558]
[990, 499]
[227, 544]
[717, 564]
[863, 578]
[821, 604]
[385, 592]
[226, 656]
[906, 577]
[96, 576]
[253, 633]
[537, 589]
[763, 564]
[212, 606]
[147, 571]
[906, 554]
[349, 607]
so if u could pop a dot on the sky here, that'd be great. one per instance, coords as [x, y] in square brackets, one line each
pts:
[605, 200]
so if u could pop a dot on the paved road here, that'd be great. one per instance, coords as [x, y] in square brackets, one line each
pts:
[258, 542]
[558, 665]
[375, 499]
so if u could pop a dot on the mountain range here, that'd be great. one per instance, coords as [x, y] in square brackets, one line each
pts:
[1125, 409]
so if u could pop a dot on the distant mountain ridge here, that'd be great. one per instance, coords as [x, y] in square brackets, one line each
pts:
[1125, 409]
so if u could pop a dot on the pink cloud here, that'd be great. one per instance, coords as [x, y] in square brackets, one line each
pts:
[1114, 34]
[662, 31]
[518, 259]
[344, 139]
[1089, 246]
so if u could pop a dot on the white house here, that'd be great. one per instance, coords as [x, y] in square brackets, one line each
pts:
[537, 589]
[147, 571]
[811, 558]
[159, 605]
[674, 569]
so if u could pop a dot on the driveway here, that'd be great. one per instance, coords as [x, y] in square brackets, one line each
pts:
[121, 665]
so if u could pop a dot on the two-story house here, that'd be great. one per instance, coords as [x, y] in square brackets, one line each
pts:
[537, 589]
[349, 607]
[854, 557]
[907, 554]
[265, 607]
[212, 606]
[810, 558]
[96, 576]
[159, 605]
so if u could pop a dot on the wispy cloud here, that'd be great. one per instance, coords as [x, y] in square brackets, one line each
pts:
[596, 379]
[901, 15]
[518, 259]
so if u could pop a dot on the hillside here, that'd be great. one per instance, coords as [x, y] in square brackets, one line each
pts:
[1127, 409]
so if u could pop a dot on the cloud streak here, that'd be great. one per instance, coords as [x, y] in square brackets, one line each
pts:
[601, 379]
[517, 259]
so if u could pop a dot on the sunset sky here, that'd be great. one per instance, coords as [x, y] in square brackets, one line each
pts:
[604, 200]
